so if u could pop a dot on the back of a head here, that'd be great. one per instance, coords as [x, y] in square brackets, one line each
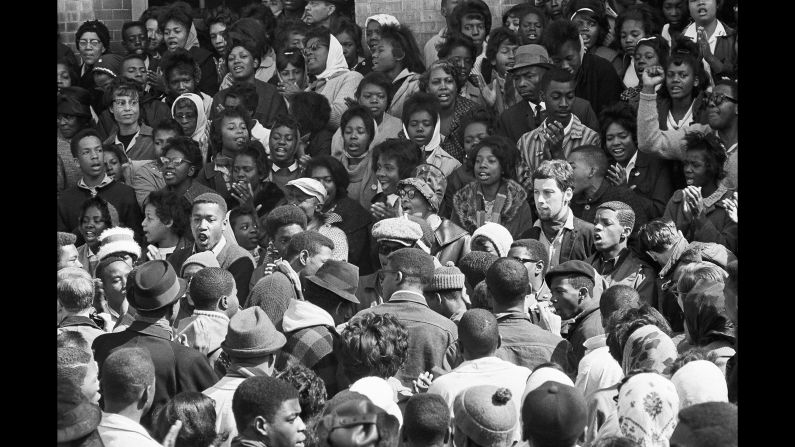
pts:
[311, 241]
[125, 374]
[373, 345]
[709, 424]
[416, 265]
[536, 249]
[658, 235]
[426, 419]
[282, 216]
[312, 393]
[73, 364]
[594, 157]
[478, 333]
[73, 339]
[475, 264]
[260, 396]
[197, 413]
[617, 297]
[208, 285]
[554, 414]
[507, 280]
[75, 291]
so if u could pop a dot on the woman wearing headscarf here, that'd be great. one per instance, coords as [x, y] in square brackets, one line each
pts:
[198, 129]
[648, 348]
[372, 28]
[647, 409]
[707, 324]
[700, 381]
[326, 62]
[176, 24]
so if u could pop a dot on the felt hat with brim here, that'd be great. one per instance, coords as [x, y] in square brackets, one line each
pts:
[339, 277]
[77, 417]
[154, 285]
[252, 334]
[530, 56]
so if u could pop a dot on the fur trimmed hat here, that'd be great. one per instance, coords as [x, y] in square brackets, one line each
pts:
[118, 239]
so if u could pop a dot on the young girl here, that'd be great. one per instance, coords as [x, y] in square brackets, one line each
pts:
[715, 40]
[677, 17]
[440, 81]
[493, 196]
[95, 217]
[649, 51]
[398, 56]
[250, 187]
[310, 195]
[697, 210]
[283, 142]
[421, 124]
[290, 72]
[591, 19]
[681, 98]
[633, 24]
[114, 159]
[165, 224]
[373, 93]
[188, 110]
[228, 135]
[491, 70]
[393, 160]
[358, 131]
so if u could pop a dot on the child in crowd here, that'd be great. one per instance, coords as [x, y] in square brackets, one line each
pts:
[393, 160]
[398, 57]
[243, 221]
[421, 124]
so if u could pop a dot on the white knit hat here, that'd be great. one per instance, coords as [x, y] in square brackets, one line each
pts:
[118, 239]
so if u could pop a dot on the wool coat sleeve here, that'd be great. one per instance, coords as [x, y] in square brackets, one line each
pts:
[193, 371]
[241, 270]
[669, 144]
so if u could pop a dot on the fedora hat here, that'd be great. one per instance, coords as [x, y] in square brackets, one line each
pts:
[77, 417]
[252, 334]
[531, 55]
[154, 285]
[338, 277]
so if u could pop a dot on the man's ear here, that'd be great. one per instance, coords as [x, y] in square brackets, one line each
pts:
[261, 426]
[626, 232]
[332, 9]
[499, 341]
[144, 399]
[223, 303]
[568, 194]
[583, 294]
[540, 268]
[191, 171]
[303, 257]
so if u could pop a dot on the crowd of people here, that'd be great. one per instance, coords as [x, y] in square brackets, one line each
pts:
[280, 227]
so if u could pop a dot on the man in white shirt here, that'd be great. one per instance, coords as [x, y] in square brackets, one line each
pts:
[128, 388]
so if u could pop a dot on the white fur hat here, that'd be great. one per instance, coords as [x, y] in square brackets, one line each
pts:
[118, 239]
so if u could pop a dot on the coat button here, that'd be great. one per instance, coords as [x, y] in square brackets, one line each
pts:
[587, 207]
[373, 187]
[637, 173]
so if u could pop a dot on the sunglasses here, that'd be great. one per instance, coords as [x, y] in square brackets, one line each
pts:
[716, 99]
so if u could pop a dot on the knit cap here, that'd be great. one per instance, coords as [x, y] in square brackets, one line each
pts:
[498, 235]
[118, 239]
[486, 414]
[109, 63]
[397, 229]
[203, 258]
[447, 277]
[273, 294]
[475, 264]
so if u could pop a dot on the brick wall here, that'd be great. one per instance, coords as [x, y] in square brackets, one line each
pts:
[113, 13]
[422, 16]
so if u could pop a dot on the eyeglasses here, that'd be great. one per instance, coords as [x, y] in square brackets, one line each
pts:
[83, 43]
[408, 192]
[524, 260]
[313, 48]
[177, 161]
[716, 99]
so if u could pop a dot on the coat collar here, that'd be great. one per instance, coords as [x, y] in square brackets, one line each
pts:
[408, 296]
[78, 320]
[150, 329]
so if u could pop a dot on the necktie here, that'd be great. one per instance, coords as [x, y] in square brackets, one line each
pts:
[540, 115]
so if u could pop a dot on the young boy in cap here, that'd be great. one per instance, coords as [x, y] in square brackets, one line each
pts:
[524, 343]
[215, 299]
[154, 292]
[309, 195]
[613, 260]
[485, 415]
[572, 286]
[250, 349]
[330, 300]
[87, 151]
[408, 271]
[479, 342]
[267, 412]
[208, 222]
[67, 251]
[530, 64]
[390, 235]
[445, 294]
[128, 387]
[553, 415]
[76, 303]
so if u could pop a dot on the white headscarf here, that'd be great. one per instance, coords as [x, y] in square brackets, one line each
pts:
[436, 138]
[193, 38]
[202, 132]
[335, 62]
[382, 19]
[647, 409]
[700, 381]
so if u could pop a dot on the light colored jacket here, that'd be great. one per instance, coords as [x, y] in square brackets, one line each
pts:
[116, 430]
[409, 87]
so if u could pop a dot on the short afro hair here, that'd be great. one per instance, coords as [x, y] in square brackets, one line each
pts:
[478, 332]
[373, 345]
[73, 364]
[594, 156]
[125, 374]
[208, 285]
[260, 396]
[311, 241]
[406, 153]
[558, 170]
[426, 419]
[711, 424]
[282, 216]
[555, 74]
[618, 296]
[73, 339]
[537, 250]
[507, 280]
[169, 208]
[212, 198]
[475, 264]
[413, 263]
[624, 213]
[312, 393]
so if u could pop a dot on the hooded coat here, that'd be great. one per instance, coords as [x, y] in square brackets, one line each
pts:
[336, 82]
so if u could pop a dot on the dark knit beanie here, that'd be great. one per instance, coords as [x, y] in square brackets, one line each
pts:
[95, 26]
[273, 296]
[284, 215]
[486, 415]
[447, 277]
[475, 264]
